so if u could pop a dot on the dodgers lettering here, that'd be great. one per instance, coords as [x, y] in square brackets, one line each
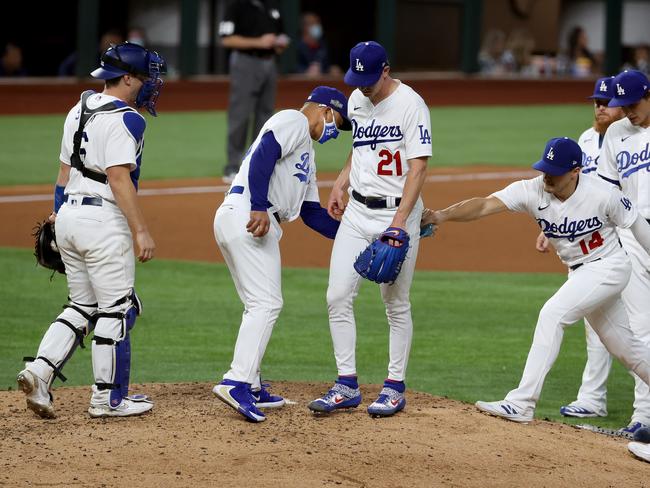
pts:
[374, 134]
[569, 229]
[629, 163]
[588, 163]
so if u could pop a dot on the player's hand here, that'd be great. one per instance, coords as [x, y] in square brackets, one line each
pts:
[146, 246]
[259, 223]
[541, 243]
[429, 216]
[52, 218]
[267, 41]
[336, 203]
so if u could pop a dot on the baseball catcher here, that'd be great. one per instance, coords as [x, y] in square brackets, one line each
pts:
[382, 260]
[45, 248]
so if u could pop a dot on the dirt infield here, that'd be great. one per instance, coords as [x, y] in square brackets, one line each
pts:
[181, 223]
[191, 439]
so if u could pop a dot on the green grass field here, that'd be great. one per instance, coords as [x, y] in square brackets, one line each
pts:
[472, 331]
[192, 144]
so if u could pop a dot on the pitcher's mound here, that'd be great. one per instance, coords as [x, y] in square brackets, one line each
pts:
[192, 439]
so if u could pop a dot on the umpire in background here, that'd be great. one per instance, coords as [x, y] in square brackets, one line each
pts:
[253, 30]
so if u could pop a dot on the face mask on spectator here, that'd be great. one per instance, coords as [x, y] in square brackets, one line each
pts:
[316, 31]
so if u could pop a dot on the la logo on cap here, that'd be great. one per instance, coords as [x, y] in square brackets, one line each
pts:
[550, 155]
[603, 86]
[619, 89]
[358, 66]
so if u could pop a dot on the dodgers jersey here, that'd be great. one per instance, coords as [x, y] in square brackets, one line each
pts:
[583, 227]
[384, 137]
[110, 139]
[590, 142]
[625, 157]
[294, 176]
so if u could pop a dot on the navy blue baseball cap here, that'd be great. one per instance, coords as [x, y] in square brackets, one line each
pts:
[561, 155]
[603, 88]
[367, 61]
[326, 95]
[628, 87]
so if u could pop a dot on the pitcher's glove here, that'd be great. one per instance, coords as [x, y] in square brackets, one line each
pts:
[382, 260]
[45, 249]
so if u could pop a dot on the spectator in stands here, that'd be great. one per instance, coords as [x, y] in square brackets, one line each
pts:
[11, 62]
[520, 47]
[137, 35]
[640, 59]
[68, 66]
[494, 59]
[582, 62]
[313, 52]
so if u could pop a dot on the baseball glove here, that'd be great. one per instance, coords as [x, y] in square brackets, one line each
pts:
[382, 260]
[45, 249]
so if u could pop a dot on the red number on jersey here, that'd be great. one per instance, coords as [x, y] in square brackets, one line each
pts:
[595, 241]
[387, 160]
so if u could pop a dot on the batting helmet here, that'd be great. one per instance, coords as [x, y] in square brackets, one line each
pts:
[128, 58]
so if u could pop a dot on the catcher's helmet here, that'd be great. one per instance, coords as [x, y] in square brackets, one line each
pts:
[128, 58]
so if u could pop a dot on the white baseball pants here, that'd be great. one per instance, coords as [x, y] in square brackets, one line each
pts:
[254, 263]
[591, 291]
[359, 227]
[635, 296]
[97, 249]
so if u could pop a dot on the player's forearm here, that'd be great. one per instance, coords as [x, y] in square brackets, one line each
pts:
[343, 180]
[64, 174]
[641, 231]
[412, 189]
[59, 188]
[127, 199]
[464, 211]
[241, 42]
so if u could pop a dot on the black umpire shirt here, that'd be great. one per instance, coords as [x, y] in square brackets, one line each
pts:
[252, 18]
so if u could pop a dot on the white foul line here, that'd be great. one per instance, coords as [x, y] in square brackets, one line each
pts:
[188, 190]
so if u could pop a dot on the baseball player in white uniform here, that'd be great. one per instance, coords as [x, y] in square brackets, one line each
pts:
[276, 183]
[384, 174]
[95, 202]
[592, 395]
[579, 216]
[625, 161]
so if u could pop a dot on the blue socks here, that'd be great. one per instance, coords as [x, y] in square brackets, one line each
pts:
[349, 381]
[395, 385]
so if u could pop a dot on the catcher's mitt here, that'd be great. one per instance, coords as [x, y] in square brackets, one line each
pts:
[45, 249]
[382, 260]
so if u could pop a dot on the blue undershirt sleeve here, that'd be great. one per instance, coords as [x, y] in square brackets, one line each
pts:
[59, 194]
[261, 168]
[315, 217]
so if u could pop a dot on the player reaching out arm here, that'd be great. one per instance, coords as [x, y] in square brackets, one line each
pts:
[579, 216]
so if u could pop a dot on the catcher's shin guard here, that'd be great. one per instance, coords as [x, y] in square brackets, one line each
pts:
[61, 340]
[112, 350]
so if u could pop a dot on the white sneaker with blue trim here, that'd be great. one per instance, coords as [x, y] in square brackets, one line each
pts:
[506, 410]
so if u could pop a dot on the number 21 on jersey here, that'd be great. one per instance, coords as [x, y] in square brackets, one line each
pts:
[385, 165]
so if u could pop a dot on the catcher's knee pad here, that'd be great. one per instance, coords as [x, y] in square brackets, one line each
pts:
[61, 340]
[112, 347]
